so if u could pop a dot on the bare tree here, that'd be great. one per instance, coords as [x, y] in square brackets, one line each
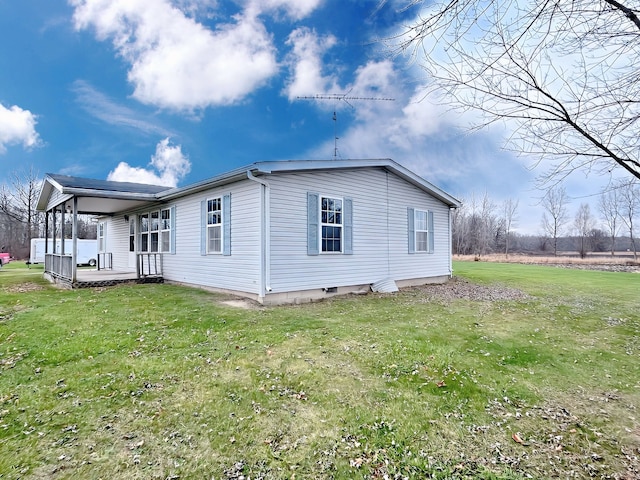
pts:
[610, 205]
[509, 209]
[630, 206]
[584, 225]
[18, 206]
[555, 204]
[475, 227]
[562, 74]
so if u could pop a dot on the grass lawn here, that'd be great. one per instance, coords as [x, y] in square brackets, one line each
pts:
[167, 382]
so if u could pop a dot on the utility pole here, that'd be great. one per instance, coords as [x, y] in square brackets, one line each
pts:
[346, 98]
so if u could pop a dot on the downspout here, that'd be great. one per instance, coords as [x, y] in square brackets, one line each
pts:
[265, 236]
[450, 245]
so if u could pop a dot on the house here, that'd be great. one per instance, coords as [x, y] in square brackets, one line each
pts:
[276, 232]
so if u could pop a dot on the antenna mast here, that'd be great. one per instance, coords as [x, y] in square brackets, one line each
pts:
[345, 97]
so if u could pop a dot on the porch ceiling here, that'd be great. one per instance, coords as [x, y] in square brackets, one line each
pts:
[104, 205]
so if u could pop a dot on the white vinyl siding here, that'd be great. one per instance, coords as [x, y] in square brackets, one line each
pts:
[116, 242]
[374, 233]
[237, 268]
[379, 203]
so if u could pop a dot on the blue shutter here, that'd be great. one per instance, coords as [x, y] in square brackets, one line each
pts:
[431, 233]
[203, 227]
[226, 224]
[172, 220]
[312, 224]
[348, 226]
[411, 231]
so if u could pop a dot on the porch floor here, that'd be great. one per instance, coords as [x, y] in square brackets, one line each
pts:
[87, 278]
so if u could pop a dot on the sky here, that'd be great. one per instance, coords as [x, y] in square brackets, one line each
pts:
[172, 92]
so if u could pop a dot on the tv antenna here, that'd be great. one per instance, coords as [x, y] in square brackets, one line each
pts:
[337, 97]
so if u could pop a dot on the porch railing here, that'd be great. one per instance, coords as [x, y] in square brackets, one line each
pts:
[105, 261]
[59, 265]
[149, 265]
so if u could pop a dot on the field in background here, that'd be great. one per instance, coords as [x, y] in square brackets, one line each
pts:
[509, 372]
[566, 258]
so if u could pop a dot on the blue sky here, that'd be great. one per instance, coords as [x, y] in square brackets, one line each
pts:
[176, 91]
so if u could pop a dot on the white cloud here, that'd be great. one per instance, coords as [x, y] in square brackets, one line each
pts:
[109, 111]
[167, 167]
[176, 62]
[305, 63]
[17, 126]
[295, 9]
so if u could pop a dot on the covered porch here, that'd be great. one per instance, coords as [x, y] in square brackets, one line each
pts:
[62, 197]
[57, 267]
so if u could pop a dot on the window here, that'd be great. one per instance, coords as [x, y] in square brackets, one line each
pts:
[165, 230]
[329, 225]
[156, 231]
[331, 221]
[215, 232]
[144, 232]
[214, 225]
[132, 235]
[102, 245]
[154, 228]
[420, 231]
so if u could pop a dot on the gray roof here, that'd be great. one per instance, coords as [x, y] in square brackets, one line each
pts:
[69, 184]
[269, 167]
[105, 196]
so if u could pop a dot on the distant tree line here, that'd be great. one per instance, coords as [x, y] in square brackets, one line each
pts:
[481, 226]
[19, 220]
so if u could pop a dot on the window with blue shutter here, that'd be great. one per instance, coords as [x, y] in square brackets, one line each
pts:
[329, 225]
[420, 230]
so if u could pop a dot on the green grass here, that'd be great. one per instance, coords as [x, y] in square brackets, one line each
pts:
[162, 381]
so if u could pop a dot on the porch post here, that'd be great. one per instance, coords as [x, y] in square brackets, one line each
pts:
[46, 232]
[74, 237]
[53, 233]
[62, 225]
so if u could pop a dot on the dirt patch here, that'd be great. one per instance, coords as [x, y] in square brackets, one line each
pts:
[240, 303]
[460, 289]
[23, 288]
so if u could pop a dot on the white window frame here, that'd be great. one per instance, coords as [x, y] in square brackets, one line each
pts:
[154, 231]
[151, 238]
[421, 233]
[144, 227]
[325, 216]
[165, 231]
[214, 224]
[102, 247]
[132, 234]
